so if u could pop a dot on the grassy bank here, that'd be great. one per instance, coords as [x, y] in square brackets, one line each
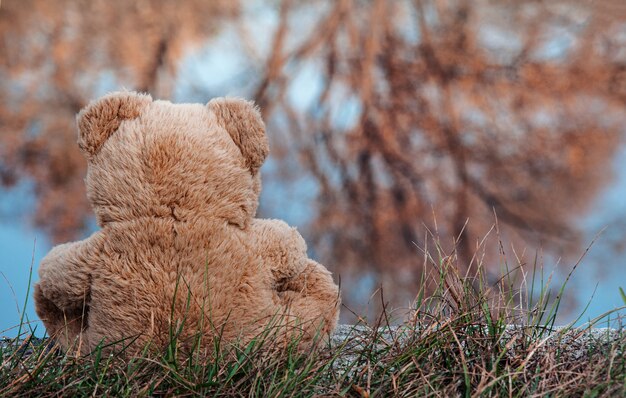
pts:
[456, 342]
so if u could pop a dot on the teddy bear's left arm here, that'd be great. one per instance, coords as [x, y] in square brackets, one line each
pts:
[65, 273]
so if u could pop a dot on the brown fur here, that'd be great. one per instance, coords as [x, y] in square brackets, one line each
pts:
[175, 190]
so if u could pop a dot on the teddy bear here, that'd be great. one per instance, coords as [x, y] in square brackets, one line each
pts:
[175, 189]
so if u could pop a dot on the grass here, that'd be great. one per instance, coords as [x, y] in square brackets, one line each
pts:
[456, 342]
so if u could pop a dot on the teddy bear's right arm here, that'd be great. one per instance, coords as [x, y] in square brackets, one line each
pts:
[65, 273]
[281, 247]
[306, 289]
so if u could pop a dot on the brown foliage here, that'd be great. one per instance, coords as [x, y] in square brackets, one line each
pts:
[451, 128]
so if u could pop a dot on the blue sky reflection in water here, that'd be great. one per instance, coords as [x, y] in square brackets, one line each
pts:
[215, 69]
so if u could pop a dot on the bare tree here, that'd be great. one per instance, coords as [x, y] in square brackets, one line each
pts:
[425, 115]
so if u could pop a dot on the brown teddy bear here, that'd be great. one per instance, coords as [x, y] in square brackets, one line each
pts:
[175, 189]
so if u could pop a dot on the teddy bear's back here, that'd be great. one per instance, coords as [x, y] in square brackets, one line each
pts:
[158, 273]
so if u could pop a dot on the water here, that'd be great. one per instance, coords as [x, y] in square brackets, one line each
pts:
[213, 70]
[20, 248]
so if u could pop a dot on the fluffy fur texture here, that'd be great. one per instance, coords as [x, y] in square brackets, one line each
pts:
[175, 190]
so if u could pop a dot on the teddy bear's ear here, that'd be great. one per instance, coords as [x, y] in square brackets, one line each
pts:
[98, 120]
[243, 122]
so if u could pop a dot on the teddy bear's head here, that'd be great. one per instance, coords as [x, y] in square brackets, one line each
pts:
[157, 159]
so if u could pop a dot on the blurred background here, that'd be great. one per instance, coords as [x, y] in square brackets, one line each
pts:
[493, 127]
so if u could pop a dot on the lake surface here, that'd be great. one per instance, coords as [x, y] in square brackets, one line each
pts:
[602, 271]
